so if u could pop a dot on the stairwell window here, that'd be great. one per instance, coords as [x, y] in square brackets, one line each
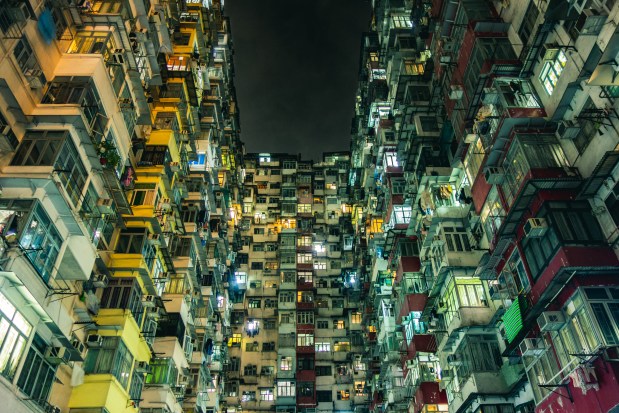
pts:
[552, 70]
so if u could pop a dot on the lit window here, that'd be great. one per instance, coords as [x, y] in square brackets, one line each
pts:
[319, 247]
[304, 208]
[248, 396]
[320, 265]
[14, 336]
[341, 346]
[323, 347]
[285, 389]
[266, 395]
[304, 340]
[304, 241]
[285, 364]
[235, 340]
[391, 159]
[401, 214]
[304, 258]
[339, 324]
[355, 318]
[551, 71]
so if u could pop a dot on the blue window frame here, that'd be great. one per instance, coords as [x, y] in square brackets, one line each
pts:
[41, 242]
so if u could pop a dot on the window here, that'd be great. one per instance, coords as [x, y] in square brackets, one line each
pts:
[306, 389]
[286, 297]
[37, 375]
[126, 293]
[588, 127]
[304, 258]
[162, 371]
[235, 340]
[15, 330]
[528, 22]
[320, 265]
[304, 241]
[355, 317]
[250, 370]
[258, 231]
[551, 71]
[323, 370]
[341, 346]
[254, 303]
[339, 324]
[400, 21]
[324, 396]
[248, 396]
[343, 395]
[112, 357]
[266, 395]
[270, 303]
[289, 165]
[285, 364]
[270, 346]
[304, 208]
[305, 340]
[401, 214]
[285, 389]
[257, 265]
[473, 159]
[257, 247]
[457, 239]
[28, 63]
[55, 149]
[322, 324]
[305, 297]
[305, 317]
[289, 193]
[322, 347]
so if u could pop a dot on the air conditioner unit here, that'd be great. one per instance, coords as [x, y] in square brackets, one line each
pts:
[399, 336]
[441, 308]
[568, 129]
[154, 238]
[78, 344]
[410, 364]
[118, 57]
[56, 355]
[550, 51]
[52, 409]
[456, 92]
[497, 292]
[94, 341]
[551, 320]
[100, 280]
[148, 301]
[105, 205]
[447, 375]
[494, 175]
[532, 347]
[535, 227]
[454, 360]
[142, 367]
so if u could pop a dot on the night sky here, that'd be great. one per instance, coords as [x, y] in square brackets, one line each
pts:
[296, 67]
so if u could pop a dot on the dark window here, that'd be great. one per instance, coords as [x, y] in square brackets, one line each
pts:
[257, 265]
[323, 370]
[37, 376]
[528, 22]
[324, 396]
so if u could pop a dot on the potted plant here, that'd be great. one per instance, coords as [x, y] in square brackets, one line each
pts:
[108, 154]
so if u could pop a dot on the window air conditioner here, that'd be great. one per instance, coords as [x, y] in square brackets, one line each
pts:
[94, 341]
[100, 280]
[148, 301]
[551, 321]
[535, 227]
[56, 355]
[105, 205]
[568, 129]
[532, 347]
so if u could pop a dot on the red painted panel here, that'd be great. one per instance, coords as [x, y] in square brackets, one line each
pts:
[429, 393]
[410, 264]
[601, 400]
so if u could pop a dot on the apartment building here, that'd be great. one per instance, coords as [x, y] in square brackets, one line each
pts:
[296, 340]
[484, 148]
[119, 198]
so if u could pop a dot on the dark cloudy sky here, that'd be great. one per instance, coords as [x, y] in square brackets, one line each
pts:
[296, 65]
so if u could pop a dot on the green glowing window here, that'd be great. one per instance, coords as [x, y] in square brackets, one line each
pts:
[552, 69]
